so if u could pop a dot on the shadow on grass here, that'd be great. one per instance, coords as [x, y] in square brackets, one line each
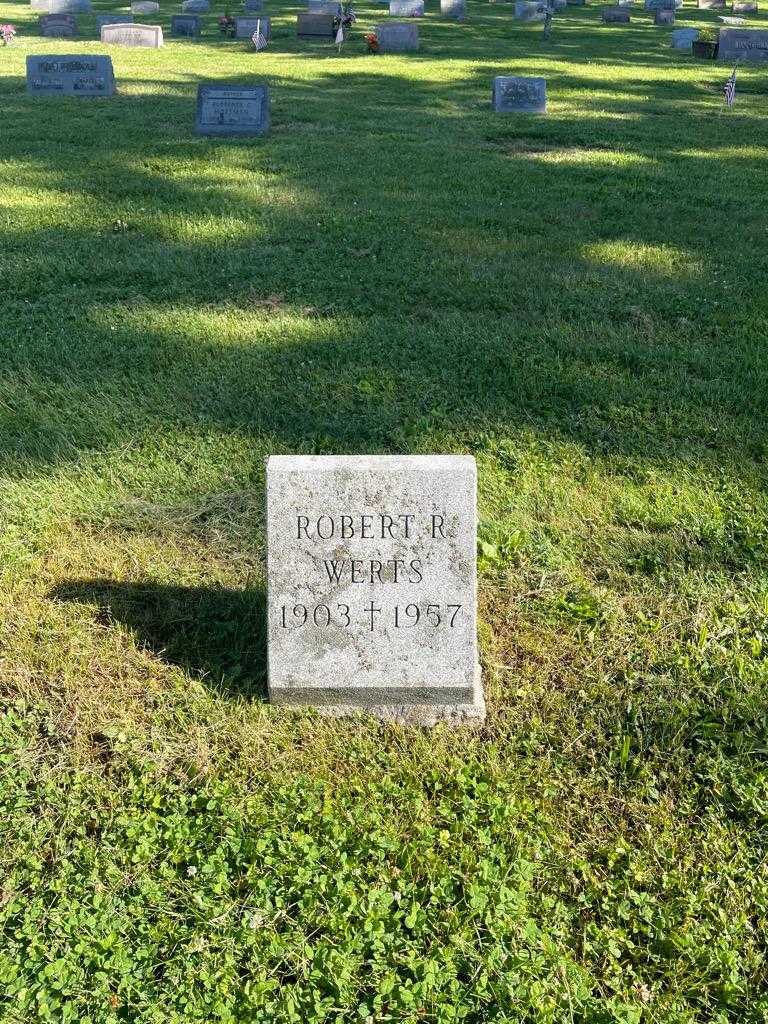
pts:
[217, 633]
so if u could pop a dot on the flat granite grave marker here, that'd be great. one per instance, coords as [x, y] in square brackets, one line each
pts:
[372, 591]
[254, 5]
[150, 36]
[615, 15]
[145, 7]
[186, 25]
[397, 37]
[232, 110]
[453, 9]
[683, 38]
[315, 26]
[71, 75]
[743, 44]
[245, 27]
[512, 94]
[112, 19]
[195, 7]
[58, 26]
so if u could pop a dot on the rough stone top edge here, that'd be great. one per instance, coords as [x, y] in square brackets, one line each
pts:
[377, 463]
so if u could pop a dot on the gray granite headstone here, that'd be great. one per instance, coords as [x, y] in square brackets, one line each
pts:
[662, 17]
[186, 25]
[145, 7]
[397, 37]
[232, 110]
[749, 45]
[748, 7]
[150, 36]
[372, 591]
[245, 27]
[112, 19]
[61, 6]
[406, 8]
[530, 10]
[512, 94]
[711, 5]
[58, 26]
[322, 7]
[683, 38]
[315, 26]
[253, 5]
[615, 15]
[453, 9]
[560, 5]
[71, 75]
[195, 7]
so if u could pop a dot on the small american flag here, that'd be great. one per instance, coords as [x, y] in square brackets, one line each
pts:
[729, 90]
[258, 38]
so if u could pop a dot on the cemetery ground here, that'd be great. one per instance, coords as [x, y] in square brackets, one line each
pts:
[577, 300]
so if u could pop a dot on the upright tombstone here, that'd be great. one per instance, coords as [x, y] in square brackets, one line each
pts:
[512, 95]
[749, 45]
[315, 26]
[684, 38]
[559, 5]
[58, 26]
[322, 7]
[406, 8]
[150, 36]
[453, 9]
[245, 27]
[615, 15]
[663, 17]
[397, 37]
[112, 19]
[747, 7]
[372, 591]
[225, 110]
[61, 6]
[186, 25]
[254, 5]
[530, 10]
[195, 7]
[711, 5]
[75, 75]
[145, 7]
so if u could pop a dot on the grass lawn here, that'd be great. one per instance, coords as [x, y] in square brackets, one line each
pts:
[580, 302]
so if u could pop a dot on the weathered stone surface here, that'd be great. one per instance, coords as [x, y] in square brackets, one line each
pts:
[662, 17]
[615, 15]
[406, 8]
[58, 26]
[186, 25]
[314, 26]
[397, 37]
[372, 585]
[61, 6]
[453, 9]
[530, 10]
[749, 45]
[150, 36]
[245, 27]
[232, 110]
[682, 38]
[512, 94]
[145, 7]
[112, 19]
[71, 75]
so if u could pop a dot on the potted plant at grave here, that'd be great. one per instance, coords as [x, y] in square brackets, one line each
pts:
[227, 25]
[371, 42]
[705, 47]
[7, 33]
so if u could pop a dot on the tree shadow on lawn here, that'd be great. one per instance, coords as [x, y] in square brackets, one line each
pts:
[215, 632]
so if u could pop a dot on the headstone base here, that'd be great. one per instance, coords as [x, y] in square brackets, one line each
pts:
[424, 713]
